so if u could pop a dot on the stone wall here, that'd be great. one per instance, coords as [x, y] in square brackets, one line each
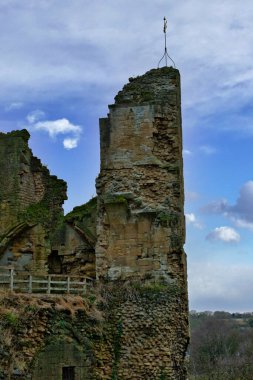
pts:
[134, 322]
[34, 235]
[25, 183]
[141, 226]
[42, 336]
[143, 338]
[75, 240]
[140, 186]
[62, 359]
[145, 329]
[30, 204]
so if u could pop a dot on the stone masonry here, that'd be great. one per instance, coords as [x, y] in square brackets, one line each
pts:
[26, 182]
[141, 225]
[133, 325]
[30, 203]
[34, 235]
[141, 229]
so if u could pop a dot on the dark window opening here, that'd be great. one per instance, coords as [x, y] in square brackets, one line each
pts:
[68, 373]
[54, 263]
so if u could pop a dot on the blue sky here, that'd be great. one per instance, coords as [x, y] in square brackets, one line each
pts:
[62, 63]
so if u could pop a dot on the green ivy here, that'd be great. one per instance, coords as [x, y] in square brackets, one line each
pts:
[168, 218]
[36, 213]
[115, 199]
[117, 349]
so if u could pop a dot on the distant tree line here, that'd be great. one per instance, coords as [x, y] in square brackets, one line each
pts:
[221, 346]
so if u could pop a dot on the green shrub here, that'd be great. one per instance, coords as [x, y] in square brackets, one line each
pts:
[11, 319]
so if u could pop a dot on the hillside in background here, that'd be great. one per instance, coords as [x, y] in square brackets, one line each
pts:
[221, 346]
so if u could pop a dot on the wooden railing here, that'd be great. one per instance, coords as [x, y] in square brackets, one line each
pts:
[25, 282]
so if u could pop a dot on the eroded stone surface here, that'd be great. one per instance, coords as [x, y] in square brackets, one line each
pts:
[61, 360]
[34, 235]
[140, 186]
[141, 228]
[134, 323]
[30, 203]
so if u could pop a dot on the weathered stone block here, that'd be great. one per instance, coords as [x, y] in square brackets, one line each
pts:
[142, 236]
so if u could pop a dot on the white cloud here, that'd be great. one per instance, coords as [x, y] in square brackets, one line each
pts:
[220, 286]
[70, 143]
[35, 116]
[224, 234]
[187, 152]
[56, 127]
[241, 214]
[191, 219]
[60, 54]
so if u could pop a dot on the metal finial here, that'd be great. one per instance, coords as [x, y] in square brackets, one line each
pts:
[165, 55]
[164, 25]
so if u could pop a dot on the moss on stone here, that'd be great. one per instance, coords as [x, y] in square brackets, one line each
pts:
[150, 289]
[36, 213]
[23, 133]
[79, 212]
[174, 169]
[167, 219]
[115, 199]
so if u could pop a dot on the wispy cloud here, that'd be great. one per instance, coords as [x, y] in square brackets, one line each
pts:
[224, 234]
[34, 116]
[191, 195]
[208, 150]
[63, 53]
[55, 128]
[244, 204]
[241, 213]
[14, 106]
[191, 219]
[216, 207]
[187, 152]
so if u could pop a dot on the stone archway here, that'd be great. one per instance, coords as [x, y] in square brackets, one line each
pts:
[61, 360]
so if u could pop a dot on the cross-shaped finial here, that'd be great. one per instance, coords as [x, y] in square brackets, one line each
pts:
[164, 25]
[165, 55]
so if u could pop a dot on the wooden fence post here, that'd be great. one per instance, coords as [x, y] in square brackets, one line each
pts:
[12, 279]
[30, 286]
[49, 285]
[85, 285]
[23, 282]
[68, 284]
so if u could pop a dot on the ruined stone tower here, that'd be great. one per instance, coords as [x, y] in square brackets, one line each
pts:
[141, 226]
[140, 186]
